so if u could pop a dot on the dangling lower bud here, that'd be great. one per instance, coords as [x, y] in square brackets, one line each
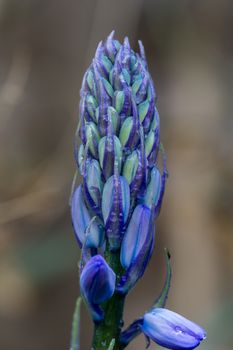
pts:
[109, 149]
[171, 330]
[81, 220]
[153, 190]
[93, 185]
[97, 283]
[93, 137]
[115, 208]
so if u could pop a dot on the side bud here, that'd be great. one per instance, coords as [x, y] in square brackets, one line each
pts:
[137, 233]
[93, 185]
[97, 283]
[109, 150]
[171, 330]
[136, 247]
[87, 231]
[153, 190]
[115, 208]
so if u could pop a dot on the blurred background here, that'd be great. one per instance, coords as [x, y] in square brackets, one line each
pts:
[46, 46]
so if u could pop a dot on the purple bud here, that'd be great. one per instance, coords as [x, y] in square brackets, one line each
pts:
[97, 283]
[172, 330]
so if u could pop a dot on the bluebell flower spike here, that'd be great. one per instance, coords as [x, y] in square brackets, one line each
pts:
[115, 209]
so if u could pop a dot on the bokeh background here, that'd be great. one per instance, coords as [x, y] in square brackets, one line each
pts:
[46, 45]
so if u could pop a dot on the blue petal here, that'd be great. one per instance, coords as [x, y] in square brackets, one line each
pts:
[172, 330]
[136, 235]
[80, 215]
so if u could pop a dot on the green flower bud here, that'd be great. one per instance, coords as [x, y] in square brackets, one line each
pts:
[130, 166]
[93, 137]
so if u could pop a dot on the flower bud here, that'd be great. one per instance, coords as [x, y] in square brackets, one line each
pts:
[153, 190]
[171, 330]
[109, 149]
[152, 146]
[136, 248]
[114, 118]
[135, 236]
[97, 283]
[82, 222]
[129, 133]
[130, 166]
[91, 105]
[119, 100]
[115, 208]
[93, 185]
[93, 137]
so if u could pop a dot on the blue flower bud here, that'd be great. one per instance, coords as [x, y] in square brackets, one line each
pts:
[136, 234]
[136, 248]
[115, 208]
[172, 330]
[86, 231]
[93, 185]
[97, 283]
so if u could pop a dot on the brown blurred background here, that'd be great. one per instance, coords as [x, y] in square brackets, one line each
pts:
[46, 45]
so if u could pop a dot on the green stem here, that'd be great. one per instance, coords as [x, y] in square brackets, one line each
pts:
[110, 327]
